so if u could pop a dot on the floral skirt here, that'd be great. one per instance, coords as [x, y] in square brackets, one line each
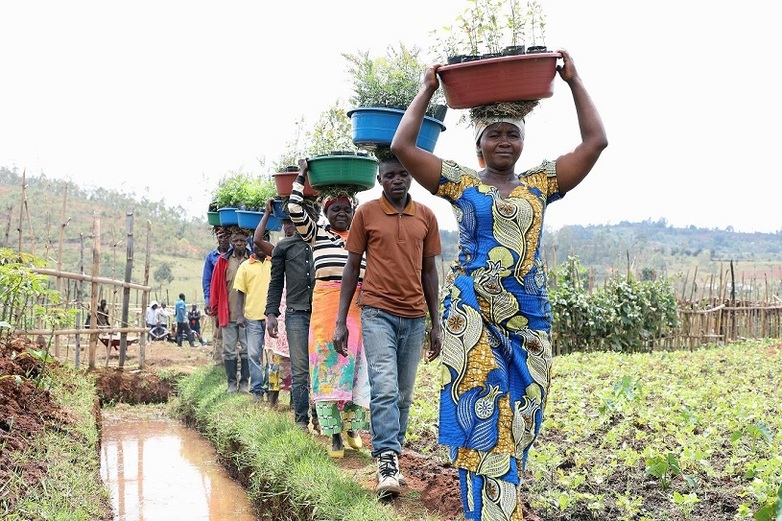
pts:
[336, 378]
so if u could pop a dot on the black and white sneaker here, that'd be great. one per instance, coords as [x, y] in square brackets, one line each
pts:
[388, 474]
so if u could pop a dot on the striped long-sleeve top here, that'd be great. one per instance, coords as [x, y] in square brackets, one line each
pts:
[329, 255]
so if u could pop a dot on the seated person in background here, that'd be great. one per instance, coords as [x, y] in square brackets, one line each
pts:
[101, 315]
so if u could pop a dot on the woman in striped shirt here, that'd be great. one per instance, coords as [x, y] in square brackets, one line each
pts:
[340, 385]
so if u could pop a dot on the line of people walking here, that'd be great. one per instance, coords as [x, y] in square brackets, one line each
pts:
[355, 292]
[305, 286]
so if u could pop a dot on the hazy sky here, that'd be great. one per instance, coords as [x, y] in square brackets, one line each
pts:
[163, 98]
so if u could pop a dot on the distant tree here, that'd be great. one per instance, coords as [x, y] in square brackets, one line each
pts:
[163, 274]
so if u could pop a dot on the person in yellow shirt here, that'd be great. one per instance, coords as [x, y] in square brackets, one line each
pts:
[252, 284]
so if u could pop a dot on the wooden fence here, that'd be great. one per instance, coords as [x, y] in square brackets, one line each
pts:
[726, 323]
[126, 315]
[716, 308]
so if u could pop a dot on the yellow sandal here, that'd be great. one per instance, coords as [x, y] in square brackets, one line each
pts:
[354, 440]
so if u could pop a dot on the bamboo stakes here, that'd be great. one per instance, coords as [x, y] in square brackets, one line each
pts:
[123, 337]
[94, 290]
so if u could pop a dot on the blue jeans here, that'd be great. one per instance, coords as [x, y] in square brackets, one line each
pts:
[297, 326]
[393, 349]
[259, 375]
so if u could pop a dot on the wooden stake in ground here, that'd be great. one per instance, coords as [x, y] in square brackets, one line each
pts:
[60, 240]
[145, 296]
[94, 290]
[123, 337]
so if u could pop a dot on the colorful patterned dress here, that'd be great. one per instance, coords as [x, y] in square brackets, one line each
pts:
[278, 354]
[340, 385]
[496, 351]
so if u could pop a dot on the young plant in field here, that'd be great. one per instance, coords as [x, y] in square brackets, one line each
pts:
[757, 433]
[664, 468]
[771, 511]
[686, 502]
[626, 388]
[20, 288]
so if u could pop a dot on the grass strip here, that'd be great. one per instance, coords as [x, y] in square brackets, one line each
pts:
[284, 470]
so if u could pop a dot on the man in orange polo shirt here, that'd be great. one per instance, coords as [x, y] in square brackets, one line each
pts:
[401, 239]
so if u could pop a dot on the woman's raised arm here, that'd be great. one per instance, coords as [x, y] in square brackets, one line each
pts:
[574, 166]
[422, 165]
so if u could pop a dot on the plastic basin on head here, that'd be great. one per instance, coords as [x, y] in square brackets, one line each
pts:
[213, 218]
[333, 170]
[284, 183]
[503, 79]
[374, 126]
[227, 216]
[249, 220]
[277, 210]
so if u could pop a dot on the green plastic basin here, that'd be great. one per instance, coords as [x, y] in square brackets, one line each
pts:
[334, 170]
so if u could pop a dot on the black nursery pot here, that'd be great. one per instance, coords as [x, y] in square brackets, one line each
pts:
[513, 50]
[536, 49]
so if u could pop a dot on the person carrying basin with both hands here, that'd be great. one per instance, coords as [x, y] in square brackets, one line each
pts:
[496, 350]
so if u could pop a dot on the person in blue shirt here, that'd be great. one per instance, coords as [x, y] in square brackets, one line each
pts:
[182, 324]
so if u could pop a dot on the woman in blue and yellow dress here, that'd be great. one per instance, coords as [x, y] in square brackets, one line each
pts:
[496, 351]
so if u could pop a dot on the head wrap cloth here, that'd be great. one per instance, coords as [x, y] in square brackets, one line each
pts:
[334, 200]
[483, 124]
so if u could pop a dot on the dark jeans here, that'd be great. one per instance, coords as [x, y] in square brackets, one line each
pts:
[182, 329]
[297, 326]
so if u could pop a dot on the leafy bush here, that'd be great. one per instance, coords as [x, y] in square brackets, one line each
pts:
[486, 26]
[390, 81]
[624, 315]
[244, 191]
[332, 132]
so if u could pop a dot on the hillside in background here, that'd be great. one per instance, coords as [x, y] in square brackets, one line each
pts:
[182, 242]
[173, 238]
[667, 251]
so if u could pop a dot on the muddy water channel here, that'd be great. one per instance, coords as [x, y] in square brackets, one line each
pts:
[160, 469]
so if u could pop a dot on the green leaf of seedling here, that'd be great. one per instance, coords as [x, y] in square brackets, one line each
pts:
[626, 387]
[40, 354]
[607, 406]
[772, 512]
[685, 499]
[760, 431]
[656, 466]
[673, 464]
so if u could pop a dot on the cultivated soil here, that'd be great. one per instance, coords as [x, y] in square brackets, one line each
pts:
[26, 410]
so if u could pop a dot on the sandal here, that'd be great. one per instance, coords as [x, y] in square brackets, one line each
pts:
[354, 440]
